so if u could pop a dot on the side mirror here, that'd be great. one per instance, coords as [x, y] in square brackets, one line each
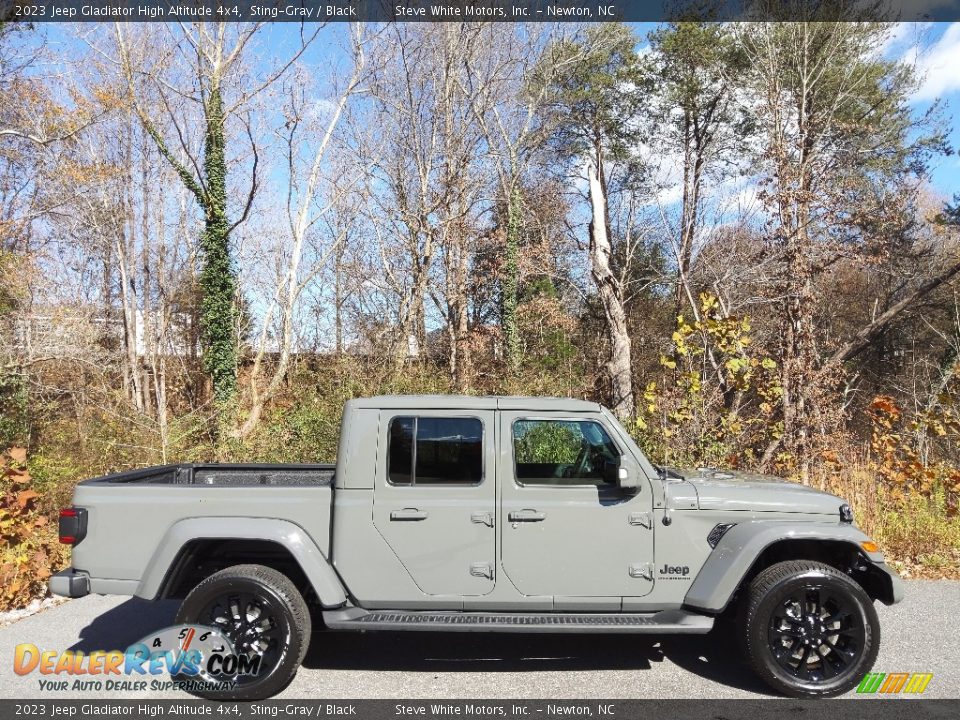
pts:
[615, 474]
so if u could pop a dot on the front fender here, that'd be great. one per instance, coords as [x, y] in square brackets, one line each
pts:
[292, 537]
[740, 547]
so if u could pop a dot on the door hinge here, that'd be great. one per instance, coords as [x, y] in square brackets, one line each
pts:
[641, 570]
[481, 569]
[641, 518]
[482, 518]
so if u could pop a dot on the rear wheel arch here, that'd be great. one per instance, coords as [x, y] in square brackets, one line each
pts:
[193, 549]
[200, 558]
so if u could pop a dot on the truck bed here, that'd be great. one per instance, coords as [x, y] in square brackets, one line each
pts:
[229, 474]
[141, 510]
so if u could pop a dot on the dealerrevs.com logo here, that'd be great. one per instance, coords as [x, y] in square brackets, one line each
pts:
[197, 658]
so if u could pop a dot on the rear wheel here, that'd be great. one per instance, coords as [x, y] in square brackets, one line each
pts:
[263, 615]
[810, 631]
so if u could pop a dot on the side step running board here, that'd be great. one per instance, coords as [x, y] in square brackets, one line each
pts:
[663, 622]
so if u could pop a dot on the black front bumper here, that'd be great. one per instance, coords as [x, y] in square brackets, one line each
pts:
[70, 583]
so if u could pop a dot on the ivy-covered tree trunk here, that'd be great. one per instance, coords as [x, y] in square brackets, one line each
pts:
[218, 283]
[511, 283]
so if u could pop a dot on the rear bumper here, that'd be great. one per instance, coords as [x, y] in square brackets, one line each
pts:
[70, 583]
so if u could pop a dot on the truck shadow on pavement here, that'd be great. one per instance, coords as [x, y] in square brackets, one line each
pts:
[126, 624]
[714, 657]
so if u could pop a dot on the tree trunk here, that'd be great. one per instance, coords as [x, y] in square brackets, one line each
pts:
[338, 299]
[462, 365]
[412, 315]
[511, 283]
[128, 302]
[688, 217]
[618, 367]
[218, 309]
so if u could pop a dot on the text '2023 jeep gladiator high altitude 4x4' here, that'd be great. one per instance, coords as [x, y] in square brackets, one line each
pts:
[489, 514]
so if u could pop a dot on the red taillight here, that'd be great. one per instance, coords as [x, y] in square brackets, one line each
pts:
[72, 525]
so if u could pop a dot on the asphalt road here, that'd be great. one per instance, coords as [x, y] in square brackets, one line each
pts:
[919, 635]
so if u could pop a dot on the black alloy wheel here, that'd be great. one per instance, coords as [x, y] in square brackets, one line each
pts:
[815, 635]
[253, 622]
[264, 616]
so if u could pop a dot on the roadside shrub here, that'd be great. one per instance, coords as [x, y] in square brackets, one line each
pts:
[714, 401]
[30, 551]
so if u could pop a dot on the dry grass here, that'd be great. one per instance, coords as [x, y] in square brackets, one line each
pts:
[918, 533]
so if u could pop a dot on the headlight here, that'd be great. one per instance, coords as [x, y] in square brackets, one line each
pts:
[846, 513]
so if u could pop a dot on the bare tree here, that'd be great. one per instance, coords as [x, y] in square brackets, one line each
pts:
[423, 179]
[596, 103]
[212, 56]
[510, 82]
[303, 215]
[836, 129]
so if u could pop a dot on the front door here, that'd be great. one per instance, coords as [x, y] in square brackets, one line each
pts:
[434, 498]
[566, 532]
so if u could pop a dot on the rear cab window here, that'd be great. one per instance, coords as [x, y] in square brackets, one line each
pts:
[424, 450]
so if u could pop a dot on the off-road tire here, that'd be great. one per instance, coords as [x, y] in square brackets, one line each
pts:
[771, 634]
[288, 610]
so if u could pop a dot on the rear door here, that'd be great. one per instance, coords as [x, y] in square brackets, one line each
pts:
[566, 532]
[434, 497]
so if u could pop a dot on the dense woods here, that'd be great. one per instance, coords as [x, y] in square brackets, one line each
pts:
[213, 235]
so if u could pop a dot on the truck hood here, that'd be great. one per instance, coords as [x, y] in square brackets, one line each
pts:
[735, 490]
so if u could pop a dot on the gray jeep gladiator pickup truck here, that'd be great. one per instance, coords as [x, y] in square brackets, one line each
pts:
[489, 514]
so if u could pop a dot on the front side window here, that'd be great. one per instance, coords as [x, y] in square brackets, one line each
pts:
[561, 452]
[435, 451]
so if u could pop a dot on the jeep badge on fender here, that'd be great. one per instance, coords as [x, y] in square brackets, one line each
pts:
[438, 499]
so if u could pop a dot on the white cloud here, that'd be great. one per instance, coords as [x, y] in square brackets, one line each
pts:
[901, 36]
[671, 195]
[937, 65]
[322, 108]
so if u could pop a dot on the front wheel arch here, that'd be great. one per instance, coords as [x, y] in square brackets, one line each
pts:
[719, 589]
[844, 556]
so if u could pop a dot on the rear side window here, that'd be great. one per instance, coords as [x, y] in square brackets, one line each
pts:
[435, 451]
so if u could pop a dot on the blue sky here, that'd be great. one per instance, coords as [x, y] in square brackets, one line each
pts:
[934, 48]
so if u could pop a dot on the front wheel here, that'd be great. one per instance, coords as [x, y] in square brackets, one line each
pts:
[263, 615]
[810, 631]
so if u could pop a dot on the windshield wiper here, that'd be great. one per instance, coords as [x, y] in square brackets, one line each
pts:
[667, 474]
